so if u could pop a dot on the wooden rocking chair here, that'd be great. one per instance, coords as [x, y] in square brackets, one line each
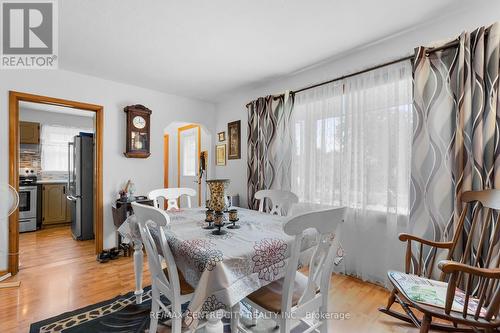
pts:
[471, 281]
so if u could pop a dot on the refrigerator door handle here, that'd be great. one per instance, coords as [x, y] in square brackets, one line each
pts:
[69, 167]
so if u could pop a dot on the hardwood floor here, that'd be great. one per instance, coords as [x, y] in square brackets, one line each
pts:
[59, 274]
[51, 245]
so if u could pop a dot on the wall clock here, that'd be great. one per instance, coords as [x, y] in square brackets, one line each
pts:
[138, 131]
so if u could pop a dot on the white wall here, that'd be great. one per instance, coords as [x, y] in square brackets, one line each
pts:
[232, 106]
[54, 118]
[146, 173]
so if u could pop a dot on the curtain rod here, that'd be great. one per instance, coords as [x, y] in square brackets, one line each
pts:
[451, 44]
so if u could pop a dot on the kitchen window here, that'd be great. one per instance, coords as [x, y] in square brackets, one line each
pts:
[54, 146]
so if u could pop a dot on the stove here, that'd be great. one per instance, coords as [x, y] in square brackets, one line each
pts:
[27, 177]
[28, 199]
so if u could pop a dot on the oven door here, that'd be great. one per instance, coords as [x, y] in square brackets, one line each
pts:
[27, 202]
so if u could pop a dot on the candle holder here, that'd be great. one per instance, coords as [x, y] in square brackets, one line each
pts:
[209, 226]
[219, 223]
[210, 219]
[233, 217]
[219, 232]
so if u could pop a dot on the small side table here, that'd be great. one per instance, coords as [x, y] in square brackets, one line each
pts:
[128, 203]
[123, 209]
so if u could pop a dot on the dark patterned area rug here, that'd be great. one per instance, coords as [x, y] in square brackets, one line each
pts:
[122, 314]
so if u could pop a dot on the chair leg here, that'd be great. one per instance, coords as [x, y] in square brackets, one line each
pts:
[255, 314]
[285, 325]
[235, 318]
[323, 310]
[392, 299]
[426, 323]
[155, 309]
[176, 318]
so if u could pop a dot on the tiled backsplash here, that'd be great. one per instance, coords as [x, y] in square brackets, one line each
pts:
[30, 157]
[53, 175]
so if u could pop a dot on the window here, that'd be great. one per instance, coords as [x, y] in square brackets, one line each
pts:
[352, 141]
[54, 140]
[189, 154]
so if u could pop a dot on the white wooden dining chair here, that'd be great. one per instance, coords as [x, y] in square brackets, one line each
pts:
[171, 195]
[297, 294]
[281, 201]
[164, 281]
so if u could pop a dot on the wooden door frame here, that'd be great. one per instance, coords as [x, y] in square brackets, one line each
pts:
[179, 130]
[165, 159]
[165, 165]
[14, 99]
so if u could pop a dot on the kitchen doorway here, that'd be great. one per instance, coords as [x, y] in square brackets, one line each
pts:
[57, 169]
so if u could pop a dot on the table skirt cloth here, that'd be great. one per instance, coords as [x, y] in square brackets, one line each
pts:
[224, 269]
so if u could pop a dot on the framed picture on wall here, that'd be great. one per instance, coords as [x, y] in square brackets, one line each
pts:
[234, 140]
[220, 155]
[222, 136]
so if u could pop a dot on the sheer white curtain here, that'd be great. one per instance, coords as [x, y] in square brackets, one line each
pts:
[54, 141]
[352, 141]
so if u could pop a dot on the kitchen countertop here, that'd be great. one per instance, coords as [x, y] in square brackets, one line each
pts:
[51, 181]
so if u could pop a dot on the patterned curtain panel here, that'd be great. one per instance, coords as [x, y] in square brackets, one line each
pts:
[269, 145]
[456, 129]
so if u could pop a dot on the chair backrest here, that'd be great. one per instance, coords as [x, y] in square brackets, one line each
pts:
[325, 223]
[479, 222]
[171, 195]
[281, 201]
[476, 243]
[152, 222]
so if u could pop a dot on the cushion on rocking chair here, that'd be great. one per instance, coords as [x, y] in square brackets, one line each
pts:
[431, 292]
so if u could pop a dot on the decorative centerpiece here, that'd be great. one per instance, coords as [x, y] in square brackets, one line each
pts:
[217, 200]
[217, 203]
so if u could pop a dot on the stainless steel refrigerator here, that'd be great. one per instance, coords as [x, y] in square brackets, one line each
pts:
[81, 185]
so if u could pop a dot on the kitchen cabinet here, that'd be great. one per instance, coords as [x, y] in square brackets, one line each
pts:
[29, 132]
[54, 204]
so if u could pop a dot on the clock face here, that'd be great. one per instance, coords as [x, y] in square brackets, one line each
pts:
[139, 122]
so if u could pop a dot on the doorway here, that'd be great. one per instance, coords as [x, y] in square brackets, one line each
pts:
[188, 153]
[187, 149]
[59, 171]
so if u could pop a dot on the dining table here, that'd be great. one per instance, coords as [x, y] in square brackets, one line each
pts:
[223, 269]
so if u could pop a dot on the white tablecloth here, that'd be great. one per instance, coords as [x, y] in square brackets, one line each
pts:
[225, 269]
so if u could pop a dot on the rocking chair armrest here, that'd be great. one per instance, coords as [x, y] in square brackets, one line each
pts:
[440, 245]
[449, 266]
